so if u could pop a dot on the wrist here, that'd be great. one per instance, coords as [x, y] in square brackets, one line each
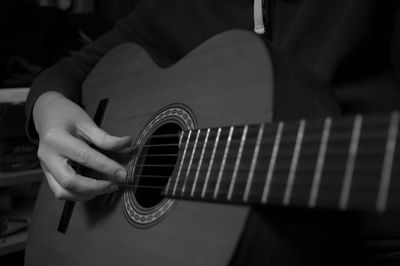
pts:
[43, 103]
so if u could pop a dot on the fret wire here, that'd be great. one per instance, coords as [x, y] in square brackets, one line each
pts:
[373, 157]
[339, 135]
[269, 124]
[300, 184]
[260, 182]
[183, 196]
[320, 163]
[272, 162]
[362, 186]
[388, 162]
[303, 196]
[180, 139]
[337, 151]
[366, 188]
[170, 180]
[238, 158]
[310, 138]
[236, 196]
[183, 159]
[344, 197]
[211, 163]
[279, 195]
[293, 165]
[253, 163]
[200, 162]
[287, 150]
[190, 162]
[378, 130]
[363, 205]
[221, 170]
[328, 171]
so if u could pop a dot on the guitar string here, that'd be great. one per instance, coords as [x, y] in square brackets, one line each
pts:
[357, 200]
[239, 183]
[329, 181]
[252, 141]
[272, 127]
[276, 170]
[326, 201]
[315, 133]
[381, 135]
[301, 169]
[267, 130]
[230, 166]
[288, 152]
[284, 154]
[302, 186]
[361, 189]
[327, 170]
[316, 136]
[370, 166]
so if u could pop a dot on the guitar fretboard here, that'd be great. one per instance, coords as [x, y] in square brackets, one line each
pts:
[344, 163]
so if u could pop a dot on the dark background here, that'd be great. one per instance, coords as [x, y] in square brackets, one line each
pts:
[34, 34]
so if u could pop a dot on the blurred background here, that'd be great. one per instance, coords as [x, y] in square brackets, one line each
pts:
[35, 34]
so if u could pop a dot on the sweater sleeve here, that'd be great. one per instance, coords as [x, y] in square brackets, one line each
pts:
[67, 75]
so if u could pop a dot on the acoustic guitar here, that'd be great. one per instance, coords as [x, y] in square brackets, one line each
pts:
[208, 153]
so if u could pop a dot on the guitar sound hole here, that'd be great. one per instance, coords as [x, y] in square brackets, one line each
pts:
[156, 163]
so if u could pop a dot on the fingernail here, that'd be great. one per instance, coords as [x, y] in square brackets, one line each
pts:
[121, 174]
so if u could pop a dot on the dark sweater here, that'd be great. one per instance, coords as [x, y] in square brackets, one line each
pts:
[351, 45]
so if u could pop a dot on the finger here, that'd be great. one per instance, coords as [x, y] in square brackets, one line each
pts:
[74, 183]
[81, 153]
[58, 191]
[103, 140]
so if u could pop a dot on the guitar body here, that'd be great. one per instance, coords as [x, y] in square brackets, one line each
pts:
[225, 81]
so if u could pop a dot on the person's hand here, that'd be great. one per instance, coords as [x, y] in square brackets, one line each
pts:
[65, 133]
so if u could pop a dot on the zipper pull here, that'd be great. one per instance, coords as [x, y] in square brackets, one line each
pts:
[259, 27]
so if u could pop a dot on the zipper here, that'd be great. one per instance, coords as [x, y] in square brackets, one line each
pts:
[262, 17]
[259, 13]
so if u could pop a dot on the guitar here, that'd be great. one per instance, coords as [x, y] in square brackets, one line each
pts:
[208, 147]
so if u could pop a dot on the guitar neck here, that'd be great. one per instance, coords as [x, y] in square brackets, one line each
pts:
[345, 163]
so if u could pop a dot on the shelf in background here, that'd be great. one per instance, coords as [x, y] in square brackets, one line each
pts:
[14, 178]
[13, 243]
